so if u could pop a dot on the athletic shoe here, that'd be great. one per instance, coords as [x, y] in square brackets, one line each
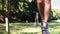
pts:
[44, 27]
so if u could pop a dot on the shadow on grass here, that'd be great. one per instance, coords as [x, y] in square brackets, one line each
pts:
[54, 24]
[2, 28]
[2, 33]
[54, 21]
[25, 25]
[20, 26]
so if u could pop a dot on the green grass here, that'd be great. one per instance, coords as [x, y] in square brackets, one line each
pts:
[22, 28]
[29, 28]
[54, 28]
[2, 28]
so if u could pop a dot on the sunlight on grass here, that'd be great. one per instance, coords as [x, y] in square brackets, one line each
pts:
[28, 31]
[31, 30]
[55, 30]
[28, 28]
[2, 28]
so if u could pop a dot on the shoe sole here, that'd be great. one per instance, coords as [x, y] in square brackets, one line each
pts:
[45, 32]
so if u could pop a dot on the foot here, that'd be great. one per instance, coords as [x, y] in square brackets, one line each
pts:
[44, 26]
[45, 32]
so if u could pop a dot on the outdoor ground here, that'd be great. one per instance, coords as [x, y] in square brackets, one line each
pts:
[29, 28]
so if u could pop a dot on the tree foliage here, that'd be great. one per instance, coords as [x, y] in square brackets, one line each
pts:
[22, 10]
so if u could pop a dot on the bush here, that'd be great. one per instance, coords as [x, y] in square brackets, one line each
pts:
[55, 14]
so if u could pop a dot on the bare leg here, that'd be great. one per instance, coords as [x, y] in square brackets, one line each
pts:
[44, 9]
[46, 14]
[40, 6]
[47, 10]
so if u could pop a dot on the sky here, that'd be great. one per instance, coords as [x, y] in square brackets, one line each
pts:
[55, 4]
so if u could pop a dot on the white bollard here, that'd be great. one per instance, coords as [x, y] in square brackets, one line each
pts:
[7, 25]
[26, 21]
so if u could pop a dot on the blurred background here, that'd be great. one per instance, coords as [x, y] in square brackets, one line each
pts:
[22, 13]
[22, 10]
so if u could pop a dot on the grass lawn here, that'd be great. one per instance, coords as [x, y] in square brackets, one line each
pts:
[2, 28]
[29, 28]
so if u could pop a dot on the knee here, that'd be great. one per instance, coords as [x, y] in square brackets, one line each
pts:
[39, 1]
[47, 1]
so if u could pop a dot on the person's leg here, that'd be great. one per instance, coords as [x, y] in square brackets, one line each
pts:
[46, 14]
[47, 10]
[40, 6]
